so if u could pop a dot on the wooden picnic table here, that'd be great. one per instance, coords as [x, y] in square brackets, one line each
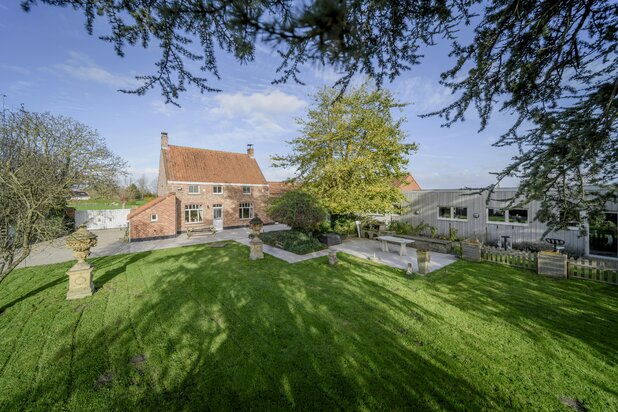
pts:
[398, 240]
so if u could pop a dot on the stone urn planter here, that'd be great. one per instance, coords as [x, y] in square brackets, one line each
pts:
[80, 275]
[423, 259]
[255, 244]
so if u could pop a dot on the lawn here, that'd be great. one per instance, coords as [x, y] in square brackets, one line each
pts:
[105, 204]
[199, 328]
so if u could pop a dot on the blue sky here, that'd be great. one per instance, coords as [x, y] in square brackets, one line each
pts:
[50, 63]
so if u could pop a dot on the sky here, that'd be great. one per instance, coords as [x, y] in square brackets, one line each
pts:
[49, 63]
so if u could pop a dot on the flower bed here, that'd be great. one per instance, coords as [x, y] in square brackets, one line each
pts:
[293, 241]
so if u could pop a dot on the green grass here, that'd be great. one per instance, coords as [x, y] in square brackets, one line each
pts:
[105, 204]
[220, 332]
[293, 241]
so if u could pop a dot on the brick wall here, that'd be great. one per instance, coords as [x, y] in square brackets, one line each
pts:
[166, 210]
[231, 199]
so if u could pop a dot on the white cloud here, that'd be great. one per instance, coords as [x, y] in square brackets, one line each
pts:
[260, 110]
[82, 67]
[424, 95]
[274, 102]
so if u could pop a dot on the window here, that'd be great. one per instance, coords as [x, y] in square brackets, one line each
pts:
[194, 189]
[444, 212]
[452, 213]
[246, 190]
[217, 211]
[513, 216]
[496, 215]
[154, 218]
[603, 237]
[246, 211]
[460, 213]
[193, 213]
[518, 216]
[217, 190]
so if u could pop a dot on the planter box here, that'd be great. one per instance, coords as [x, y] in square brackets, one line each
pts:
[434, 245]
[330, 239]
[471, 251]
[552, 264]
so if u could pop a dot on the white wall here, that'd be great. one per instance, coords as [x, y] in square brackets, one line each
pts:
[102, 219]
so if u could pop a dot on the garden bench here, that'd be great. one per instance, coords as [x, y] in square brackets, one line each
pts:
[398, 240]
[205, 230]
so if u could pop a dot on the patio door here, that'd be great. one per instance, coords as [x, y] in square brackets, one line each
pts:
[217, 216]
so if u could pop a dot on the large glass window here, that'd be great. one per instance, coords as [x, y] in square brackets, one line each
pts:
[193, 213]
[603, 236]
[246, 211]
[519, 216]
[194, 189]
[452, 212]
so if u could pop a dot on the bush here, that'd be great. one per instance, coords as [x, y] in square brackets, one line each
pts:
[532, 246]
[299, 210]
[344, 225]
[293, 241]
[403, 228]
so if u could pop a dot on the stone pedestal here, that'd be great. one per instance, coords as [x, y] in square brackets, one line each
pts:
[80, 275]
[80, 281]
[471, 251]
[257, 248]
[552, 264]
[332, 257]
[422, 257]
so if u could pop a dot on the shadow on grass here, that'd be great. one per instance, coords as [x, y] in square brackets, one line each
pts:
[220, 332]
[535, 304]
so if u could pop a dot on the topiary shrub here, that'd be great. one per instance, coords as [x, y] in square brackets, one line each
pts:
[299, 210]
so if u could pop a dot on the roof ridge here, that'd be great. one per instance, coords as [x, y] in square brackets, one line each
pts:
[209, 150]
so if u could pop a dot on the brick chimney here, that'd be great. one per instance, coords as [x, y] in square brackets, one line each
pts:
[250, 150]
[164, 140]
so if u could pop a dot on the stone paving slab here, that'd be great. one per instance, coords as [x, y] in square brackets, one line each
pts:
[110, 242]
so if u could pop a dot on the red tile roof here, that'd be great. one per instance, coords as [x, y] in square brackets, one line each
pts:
[148, 205]
[188, 164]
[276, 189]
[408, 184]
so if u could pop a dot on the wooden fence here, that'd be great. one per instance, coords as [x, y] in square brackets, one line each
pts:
[517, 258]
[587, 269]
[597, 270]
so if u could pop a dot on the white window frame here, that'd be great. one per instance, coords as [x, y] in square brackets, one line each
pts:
[452, 214]
[192, 192]
[194, 207]
[220, 192]
[155, 219]
[506, 217]
[244, 190]
[248, 206]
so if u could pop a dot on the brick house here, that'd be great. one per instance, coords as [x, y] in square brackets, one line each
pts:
[199, 188]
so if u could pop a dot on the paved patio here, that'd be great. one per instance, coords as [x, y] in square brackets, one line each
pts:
[110, 242]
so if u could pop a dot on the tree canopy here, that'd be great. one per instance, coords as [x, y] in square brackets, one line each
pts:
[297, 209]
[351, 151]
[551, 64]
[43, 157]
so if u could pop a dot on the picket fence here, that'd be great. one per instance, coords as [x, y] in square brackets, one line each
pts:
[591, 269]
[517, 258]
[586, 269]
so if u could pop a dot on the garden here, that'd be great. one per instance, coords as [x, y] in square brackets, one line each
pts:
[203, 327]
